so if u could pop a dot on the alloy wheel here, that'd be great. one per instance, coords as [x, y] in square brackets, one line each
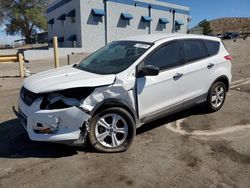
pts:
[111, 130]
[218, 96]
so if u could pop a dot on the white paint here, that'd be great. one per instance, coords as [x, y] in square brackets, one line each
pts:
[140, 45]
[69, 121]
[64, 78]
[240, 84]
[170, 92]
[238, 81]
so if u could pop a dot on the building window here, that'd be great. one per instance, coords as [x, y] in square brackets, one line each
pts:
[163, 21]
[51, 23]
[178, 25]
[62, 18]
[162, 24]
[97, 15]
[72, 15]
[60, 41]
[126, 17]
[73, 39]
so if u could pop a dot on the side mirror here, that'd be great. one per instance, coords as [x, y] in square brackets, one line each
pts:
[148, 70]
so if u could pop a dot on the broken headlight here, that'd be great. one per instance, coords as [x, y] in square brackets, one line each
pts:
[65, 98]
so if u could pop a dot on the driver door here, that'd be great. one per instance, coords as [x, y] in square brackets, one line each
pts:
[156, 94]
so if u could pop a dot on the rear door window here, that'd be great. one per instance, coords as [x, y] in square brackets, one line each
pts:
[168, 56]
[194, 50]
[212, 47]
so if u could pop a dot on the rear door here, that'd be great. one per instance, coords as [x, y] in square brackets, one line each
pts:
[196, 72]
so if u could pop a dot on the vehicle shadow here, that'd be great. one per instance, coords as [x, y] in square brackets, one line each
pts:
[15, 143]
[197, 110]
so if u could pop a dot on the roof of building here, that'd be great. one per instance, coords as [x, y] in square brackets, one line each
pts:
[157, 37]
[154, 4]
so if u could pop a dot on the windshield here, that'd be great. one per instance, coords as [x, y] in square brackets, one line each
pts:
[114, 58]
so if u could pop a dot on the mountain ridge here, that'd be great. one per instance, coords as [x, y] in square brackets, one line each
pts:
[230, 24]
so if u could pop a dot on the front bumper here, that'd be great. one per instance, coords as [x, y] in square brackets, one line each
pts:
[66, 122]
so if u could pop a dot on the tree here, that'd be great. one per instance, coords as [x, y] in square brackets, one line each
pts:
[206, 27]
[25, 17]
[3, 5]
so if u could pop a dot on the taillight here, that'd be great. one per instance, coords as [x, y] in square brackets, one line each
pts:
[228, 57]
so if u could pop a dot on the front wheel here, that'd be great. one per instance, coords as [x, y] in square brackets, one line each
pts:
[112, 130]
[216, 97]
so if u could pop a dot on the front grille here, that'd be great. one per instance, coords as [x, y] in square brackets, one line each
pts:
[27, 96]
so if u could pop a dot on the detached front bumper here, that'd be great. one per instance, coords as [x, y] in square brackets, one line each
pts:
[62, 125]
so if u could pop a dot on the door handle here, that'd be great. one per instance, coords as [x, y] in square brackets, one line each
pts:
[210, 65]
[177, 76]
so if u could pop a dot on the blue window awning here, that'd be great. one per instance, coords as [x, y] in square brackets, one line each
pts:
[178, 22]
[98, 12]
[51, 22]
[146, 19]
[72, 38]
[126, 16]
[62, 17]
[71, 13]
[163, 21]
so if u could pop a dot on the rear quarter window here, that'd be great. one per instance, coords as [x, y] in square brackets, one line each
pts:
[212, 47]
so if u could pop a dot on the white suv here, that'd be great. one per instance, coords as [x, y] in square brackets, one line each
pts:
[123, 85]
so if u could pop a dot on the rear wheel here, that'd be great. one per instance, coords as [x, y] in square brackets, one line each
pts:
[112, 130]
[216, 97]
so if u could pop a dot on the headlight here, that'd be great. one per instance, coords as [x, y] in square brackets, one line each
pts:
[28, 97]
[65, 98]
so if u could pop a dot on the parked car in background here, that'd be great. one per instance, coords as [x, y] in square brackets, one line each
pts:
[122, 86]
[230, 36]
[7, 46]
[219, 35]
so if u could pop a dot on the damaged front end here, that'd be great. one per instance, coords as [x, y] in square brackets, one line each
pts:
[65, 98]
[56, 116]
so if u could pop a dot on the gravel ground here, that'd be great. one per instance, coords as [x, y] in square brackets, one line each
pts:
[188, 149]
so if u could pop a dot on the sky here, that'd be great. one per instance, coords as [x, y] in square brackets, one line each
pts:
[200, 9]
[212, 9]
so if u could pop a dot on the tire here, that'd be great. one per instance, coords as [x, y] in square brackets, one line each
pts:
[216, 97]
[112, 130]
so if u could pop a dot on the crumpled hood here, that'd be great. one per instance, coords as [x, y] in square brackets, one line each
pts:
[65, 78]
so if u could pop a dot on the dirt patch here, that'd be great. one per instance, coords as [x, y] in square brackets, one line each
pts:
[144, 139]
[222, 149]
[244, 122]
[189, 158]
[126, 180]
[189, 127]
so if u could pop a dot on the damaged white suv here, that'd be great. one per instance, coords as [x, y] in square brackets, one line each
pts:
[123, 85]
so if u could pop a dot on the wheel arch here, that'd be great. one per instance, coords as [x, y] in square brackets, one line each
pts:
[223, 79]
[108, 103]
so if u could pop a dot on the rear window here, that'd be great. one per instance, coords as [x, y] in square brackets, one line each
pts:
[212, 47]
[194, 50]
